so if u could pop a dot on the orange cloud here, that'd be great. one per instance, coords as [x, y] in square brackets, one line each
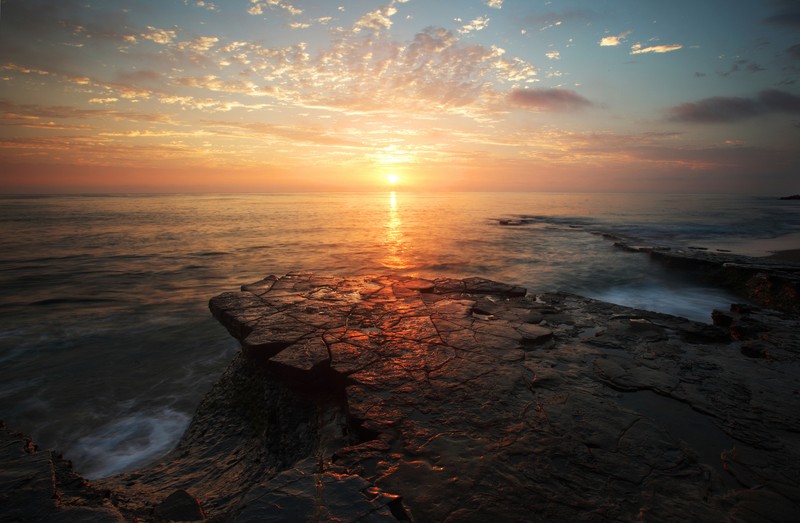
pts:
[257, 7]
[159, 36]
[376, 20]
[615, 40]
[638, 49]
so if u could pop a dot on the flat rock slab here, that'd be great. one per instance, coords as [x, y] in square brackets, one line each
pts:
[473, 401]
[768, 282]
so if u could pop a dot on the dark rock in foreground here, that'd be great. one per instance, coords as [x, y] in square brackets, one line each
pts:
[393, 399]
[39, 485]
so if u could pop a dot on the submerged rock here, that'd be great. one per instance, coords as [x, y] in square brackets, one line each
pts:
[398, 399]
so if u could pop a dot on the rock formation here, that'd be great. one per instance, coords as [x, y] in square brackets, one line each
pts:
[767, 282]
[398, 399]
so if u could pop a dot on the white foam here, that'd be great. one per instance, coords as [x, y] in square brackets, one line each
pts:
[692, 302]
[128, 442]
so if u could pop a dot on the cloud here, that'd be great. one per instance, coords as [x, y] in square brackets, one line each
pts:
[794, 51]
[103, 100]
[24, 70]
[638, 49]
[159, 36]
[717, 109]
[142, 75]
[214, 83]
[202, 3]
[722, 109]
[553, 54]
[201, 44]
[257, 7]
[435, 71]
[495, 4]
[294, 134]
[478, 24]
[548, 99]
[742, 65]
[610, 41]
[554, 19]
[787, 15]
[123, 90]
[36, 111]
[376, 20]
[780, 101]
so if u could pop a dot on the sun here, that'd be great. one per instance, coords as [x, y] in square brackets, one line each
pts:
[392, 179]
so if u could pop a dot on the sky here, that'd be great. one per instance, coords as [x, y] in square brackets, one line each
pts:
[425, 95]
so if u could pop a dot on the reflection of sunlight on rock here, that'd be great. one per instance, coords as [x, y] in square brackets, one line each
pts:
[394, 241]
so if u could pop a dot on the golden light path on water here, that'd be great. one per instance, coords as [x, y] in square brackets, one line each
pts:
[394, 239]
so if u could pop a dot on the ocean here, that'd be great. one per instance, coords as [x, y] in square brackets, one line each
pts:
[107, 345]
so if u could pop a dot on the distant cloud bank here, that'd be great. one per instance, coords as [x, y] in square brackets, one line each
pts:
[548, 99]
[724, 109]
[787, 15]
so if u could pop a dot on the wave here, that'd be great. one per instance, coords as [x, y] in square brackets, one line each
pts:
[128, 442]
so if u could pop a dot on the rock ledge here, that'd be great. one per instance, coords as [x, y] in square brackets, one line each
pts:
[398, 399]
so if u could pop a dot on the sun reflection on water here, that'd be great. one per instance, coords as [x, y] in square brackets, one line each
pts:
[394, 240]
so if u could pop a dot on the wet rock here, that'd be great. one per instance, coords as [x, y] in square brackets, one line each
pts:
[768, 282]
[398, 399]
[534, 334]
[180, 506]
[463, 424]
[39, 485]
[304, 493]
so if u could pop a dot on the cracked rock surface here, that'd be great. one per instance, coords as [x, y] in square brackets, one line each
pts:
[398, 399]
[474, 401]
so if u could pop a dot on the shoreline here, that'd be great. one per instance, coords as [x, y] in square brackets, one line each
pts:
[770, 248]
[771, 280]
[789, 255]
[354, 397]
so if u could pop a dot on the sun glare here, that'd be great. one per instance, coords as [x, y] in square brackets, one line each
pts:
[392, 179]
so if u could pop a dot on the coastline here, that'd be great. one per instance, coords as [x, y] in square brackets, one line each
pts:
[789, 255]
[354, 398]
[770, 280]
[146, 296]
[779, 248]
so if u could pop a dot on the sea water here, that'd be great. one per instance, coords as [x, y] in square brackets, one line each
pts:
[107, 345]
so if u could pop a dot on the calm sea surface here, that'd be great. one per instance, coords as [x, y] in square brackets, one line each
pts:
[107, 345]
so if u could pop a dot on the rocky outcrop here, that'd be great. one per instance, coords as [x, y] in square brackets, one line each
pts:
[767, 282]
[40, 485]
[399, 399]
[474, 402]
